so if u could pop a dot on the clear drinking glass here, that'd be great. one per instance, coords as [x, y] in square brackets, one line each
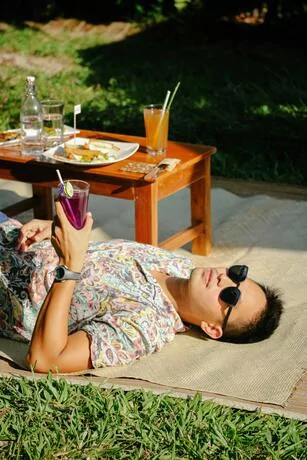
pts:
[75, 206]
[156, 127]
[53, 122]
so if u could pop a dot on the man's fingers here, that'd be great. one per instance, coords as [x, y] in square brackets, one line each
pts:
[88, 221]
[60, 214]
[59, 210]
[38, 237]
[53, 228]
[24, 236]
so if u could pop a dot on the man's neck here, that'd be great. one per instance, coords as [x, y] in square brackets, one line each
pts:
[173, 287]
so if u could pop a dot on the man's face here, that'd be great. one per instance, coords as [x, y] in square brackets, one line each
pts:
[208, 310]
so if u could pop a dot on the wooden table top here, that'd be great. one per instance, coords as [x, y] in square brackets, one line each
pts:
[188, 154]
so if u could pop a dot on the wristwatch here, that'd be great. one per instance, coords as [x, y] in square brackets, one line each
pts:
[63, 273]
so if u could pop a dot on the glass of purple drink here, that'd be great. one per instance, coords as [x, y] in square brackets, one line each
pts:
[74, 200]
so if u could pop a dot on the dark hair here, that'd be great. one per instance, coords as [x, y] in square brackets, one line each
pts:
[263, 326]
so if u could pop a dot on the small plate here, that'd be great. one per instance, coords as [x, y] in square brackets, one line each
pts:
[119, 152]
[68, 131]
[9, 141]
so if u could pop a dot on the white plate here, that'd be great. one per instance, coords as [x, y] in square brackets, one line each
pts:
[68, 131]
[122, 151]
[12, 141]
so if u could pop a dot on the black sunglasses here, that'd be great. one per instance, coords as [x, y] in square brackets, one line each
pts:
[231, 295]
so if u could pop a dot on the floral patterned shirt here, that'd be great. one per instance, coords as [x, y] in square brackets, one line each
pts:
[117, 302]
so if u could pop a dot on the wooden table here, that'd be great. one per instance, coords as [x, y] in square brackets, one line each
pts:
[193, 171]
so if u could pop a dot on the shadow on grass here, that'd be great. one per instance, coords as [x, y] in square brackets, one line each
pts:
[240, 91]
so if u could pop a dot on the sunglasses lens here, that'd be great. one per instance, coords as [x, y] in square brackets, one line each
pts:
[230, 296]
[238, 273]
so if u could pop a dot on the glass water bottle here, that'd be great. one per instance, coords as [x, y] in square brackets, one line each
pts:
[31, 121]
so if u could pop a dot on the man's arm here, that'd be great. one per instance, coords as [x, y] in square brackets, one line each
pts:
[51, 347]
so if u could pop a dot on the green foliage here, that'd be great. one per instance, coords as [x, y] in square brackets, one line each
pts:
[244, 94]
[50, 418]
[108, 10]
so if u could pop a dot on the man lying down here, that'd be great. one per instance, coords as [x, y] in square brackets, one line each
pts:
[84, 305]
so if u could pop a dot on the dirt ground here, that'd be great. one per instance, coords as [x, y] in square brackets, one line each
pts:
[112, 32]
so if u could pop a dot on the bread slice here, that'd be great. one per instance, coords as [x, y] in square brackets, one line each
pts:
[82, 151]
[104, 146]
[9, 136]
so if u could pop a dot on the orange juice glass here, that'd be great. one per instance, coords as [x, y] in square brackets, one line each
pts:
[156, 127]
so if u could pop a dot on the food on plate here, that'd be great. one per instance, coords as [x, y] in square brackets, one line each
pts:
[9, 136]
[91, 151]
[80, 151]
[102, 145]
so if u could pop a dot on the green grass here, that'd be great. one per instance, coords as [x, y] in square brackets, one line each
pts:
[243, 91]
[52, 419]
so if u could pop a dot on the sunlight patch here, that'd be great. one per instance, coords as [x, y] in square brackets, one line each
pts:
[48, 65]
[261, 110]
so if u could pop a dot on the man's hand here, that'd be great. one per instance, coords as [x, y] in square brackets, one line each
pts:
[70, 244]
[33, 232]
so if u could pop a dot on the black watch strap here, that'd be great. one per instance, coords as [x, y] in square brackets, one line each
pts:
[62, 273]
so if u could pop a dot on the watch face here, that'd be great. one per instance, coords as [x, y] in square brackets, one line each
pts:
[59, 272]
[63, 273]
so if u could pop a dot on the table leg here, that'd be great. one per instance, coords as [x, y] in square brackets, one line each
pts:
[146, 214]
[43, 208]
[201, 210]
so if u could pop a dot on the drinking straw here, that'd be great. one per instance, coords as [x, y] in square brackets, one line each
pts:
[67, 203]
[77, 110]
[168, 93]
[164, 108]
[61, 190]
[173, 95]
[60, 177]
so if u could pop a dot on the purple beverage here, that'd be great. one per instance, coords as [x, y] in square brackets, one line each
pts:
[74, 199]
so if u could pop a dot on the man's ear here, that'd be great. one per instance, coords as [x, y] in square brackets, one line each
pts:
[212, 330]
